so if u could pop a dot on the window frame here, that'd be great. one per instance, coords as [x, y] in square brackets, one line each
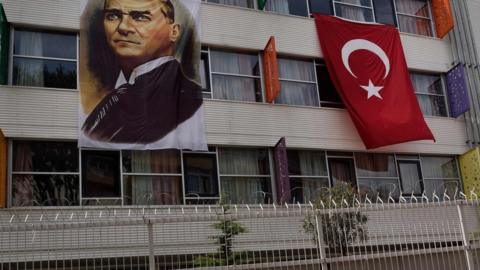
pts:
[444, 94]
[13, 29]
[432, 23]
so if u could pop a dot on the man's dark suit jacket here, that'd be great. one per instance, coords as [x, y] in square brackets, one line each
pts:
[146, 111]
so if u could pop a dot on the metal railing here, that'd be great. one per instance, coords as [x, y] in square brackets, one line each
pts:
[410, 234]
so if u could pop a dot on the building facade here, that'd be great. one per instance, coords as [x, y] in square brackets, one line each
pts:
[41, 164]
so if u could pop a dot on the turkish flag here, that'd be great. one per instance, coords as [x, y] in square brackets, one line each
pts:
[367, 66]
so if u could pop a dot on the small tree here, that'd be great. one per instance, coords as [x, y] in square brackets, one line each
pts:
[339, 228]
[229, 228]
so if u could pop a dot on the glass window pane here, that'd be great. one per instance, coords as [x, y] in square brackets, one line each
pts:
[306, 190]
[439, 186]
[46, 44]
[44, 73]
[375, 165]
[236, 88]
[365, 3]
[329, 96]
[321, 6]
[415, 25]
[432, 105]
[243, 161]
[295, 93]
[234, 63]
[310, 163]
[100, 174]
[293, 7]
[427, 83]
[45, 190]
[410, 177]
[354, 13]
[101, 202]
[413, 7]
[204, 73]
[147, 190]
[296, 69]
[239, 3]
[380, 187]
[384, 11]
[157, 161]
[439, 167]
[43, 156]
[246, 190]
[200, 174]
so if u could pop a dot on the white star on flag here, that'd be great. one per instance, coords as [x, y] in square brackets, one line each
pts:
[372, 90]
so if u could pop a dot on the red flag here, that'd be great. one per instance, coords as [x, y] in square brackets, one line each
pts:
[270, 67]
[368, 68]
[442, 13]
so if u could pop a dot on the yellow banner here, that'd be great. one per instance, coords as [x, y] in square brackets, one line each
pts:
[3, 170]
[470, 168]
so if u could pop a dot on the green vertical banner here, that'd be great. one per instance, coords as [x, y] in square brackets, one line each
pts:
[261, 4]
[4, 44]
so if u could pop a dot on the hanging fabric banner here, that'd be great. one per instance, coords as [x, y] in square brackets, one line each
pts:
[270, 67]
[442, 14]
[457, 90]
[470, 169]
[281, 172]
[139, 75]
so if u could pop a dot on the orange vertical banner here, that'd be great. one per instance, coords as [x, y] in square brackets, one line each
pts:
[3, 170]
[270, 68]
[443, 16]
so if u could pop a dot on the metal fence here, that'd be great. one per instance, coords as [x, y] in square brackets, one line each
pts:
[406, 235]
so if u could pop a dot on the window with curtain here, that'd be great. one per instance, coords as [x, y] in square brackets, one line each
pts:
[414, 17]
[293, 7]
[201, 177]
[235, 76]
[238, 3]
[329, 96]
[308, 174]
[357, 10]
[152, 177]
[245, 175]
[205, 74]
[44, 59]
[377, 175]
[440, 174]
[297, 83]
[430, 93]
[45, 173]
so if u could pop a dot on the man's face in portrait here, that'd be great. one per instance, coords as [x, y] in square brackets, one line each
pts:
[139, 30]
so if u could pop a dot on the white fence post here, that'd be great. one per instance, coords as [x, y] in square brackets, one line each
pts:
[466, 242]
[151, 256]
[320, 242]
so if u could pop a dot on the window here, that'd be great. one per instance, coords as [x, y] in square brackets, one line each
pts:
[294, 7]
[45, 173]
[329, 96]
[201, 179]
[297, 82]
[440, 174]
[384, 12]
[204, 74]
[235, 76]
[414, 17]
[239, 3]
[152, 177]
[44, 59]
[429, 92]
[377, 175]
[308, 174]
[100, 176]
[245, 175]
[358, 10]
[321, 6]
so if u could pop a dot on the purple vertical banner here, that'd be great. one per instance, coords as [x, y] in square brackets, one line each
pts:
[457, 90]
[281, 172]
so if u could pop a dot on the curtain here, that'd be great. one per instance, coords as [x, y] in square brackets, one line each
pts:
[243, 162]
[429, 84]
[439, 167]
[411, 24]
[245, 189]
[155, 189]
[410, 178]
[375, 165]
[354, 13]
[28, 71]
[312, 163]
[22, 184]
[280, 6]
[293, 92]
[234, 88]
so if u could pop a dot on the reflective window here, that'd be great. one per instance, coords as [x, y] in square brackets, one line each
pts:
[201, 178]
[440, 175]
[44, 59]
[329, 96]
[101, 174]
[377, 175]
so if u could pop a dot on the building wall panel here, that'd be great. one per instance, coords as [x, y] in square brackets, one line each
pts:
[474, 10]
[234, 27]
[43, 114]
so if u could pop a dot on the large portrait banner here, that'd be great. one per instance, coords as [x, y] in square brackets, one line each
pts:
[139, 75]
